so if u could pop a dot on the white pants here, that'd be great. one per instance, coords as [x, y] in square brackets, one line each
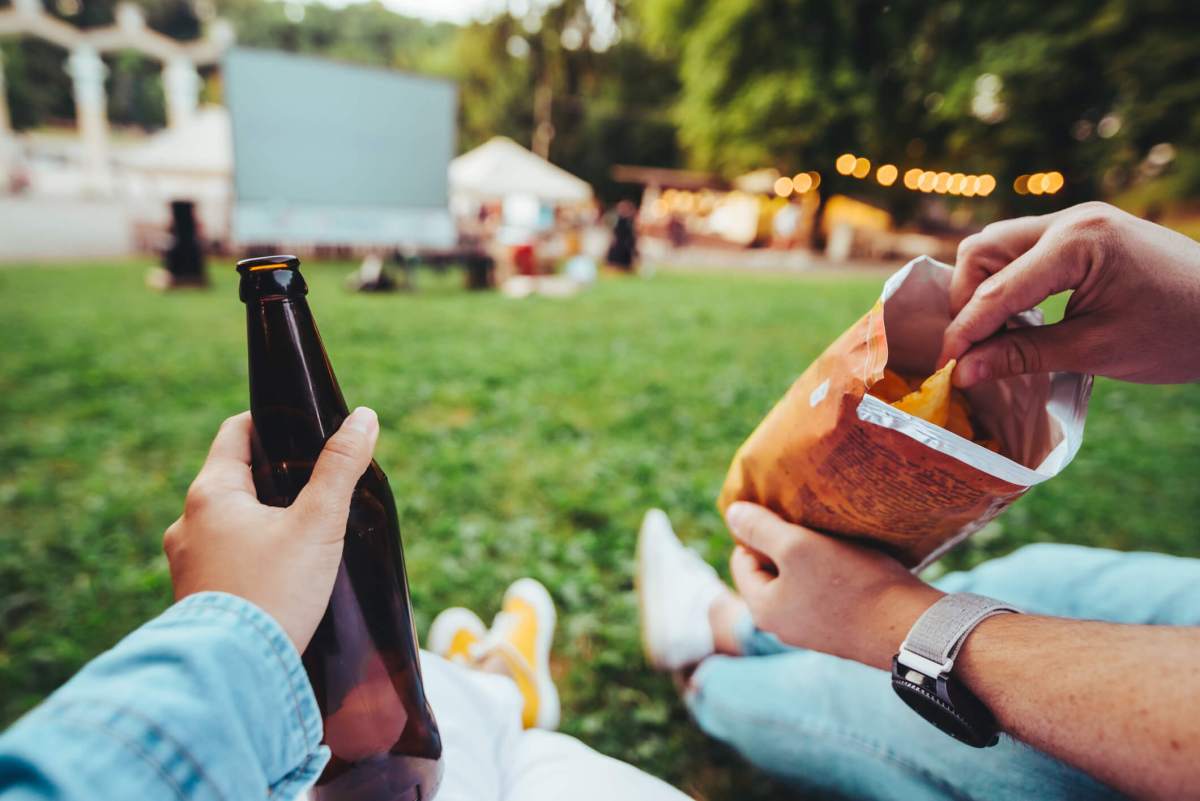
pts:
[489, 757]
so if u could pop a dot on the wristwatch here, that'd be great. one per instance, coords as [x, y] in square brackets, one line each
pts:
[921, 671]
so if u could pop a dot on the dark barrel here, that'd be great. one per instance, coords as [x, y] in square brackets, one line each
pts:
[362, 661]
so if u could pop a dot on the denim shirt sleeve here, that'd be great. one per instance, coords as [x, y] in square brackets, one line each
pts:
[207, 702]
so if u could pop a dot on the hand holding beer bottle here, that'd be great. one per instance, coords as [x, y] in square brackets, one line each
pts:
[362, 657]
[227, 541]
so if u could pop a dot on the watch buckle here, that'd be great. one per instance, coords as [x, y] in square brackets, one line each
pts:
[924, 666]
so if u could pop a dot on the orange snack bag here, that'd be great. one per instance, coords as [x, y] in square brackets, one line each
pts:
[880, 465]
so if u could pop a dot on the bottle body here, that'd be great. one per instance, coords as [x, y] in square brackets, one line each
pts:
[363, 660]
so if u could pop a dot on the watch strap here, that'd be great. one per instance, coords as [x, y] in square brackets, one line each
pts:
[939, 633]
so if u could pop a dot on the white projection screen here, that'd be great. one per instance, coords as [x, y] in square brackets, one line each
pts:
[334, 154]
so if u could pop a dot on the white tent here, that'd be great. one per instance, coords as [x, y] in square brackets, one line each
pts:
[500, 168]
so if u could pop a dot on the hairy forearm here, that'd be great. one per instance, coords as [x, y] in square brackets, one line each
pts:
[1117, 701]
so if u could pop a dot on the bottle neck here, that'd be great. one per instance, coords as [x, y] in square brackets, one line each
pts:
[295, 399]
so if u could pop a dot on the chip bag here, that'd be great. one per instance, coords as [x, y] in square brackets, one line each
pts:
[854, 449]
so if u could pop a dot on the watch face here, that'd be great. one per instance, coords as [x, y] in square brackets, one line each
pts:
[929, 706]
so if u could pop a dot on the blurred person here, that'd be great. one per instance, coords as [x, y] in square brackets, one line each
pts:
[677, 231]
[784, 225]
[622, 251]
[1095, 683]
[211, 701]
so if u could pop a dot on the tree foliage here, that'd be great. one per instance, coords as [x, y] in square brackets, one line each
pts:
[1086, 88]
[791, 83]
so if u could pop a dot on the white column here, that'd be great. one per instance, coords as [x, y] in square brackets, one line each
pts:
[5, 121]
[181, 85]
[8, 143]
[87, 72]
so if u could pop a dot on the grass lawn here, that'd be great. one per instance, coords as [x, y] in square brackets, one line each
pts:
[520, 437]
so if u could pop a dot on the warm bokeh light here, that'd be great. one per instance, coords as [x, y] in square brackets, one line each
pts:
[986, 185]
[928, 179]
[886, 175]
[845, 163]
[862, 167]
[912, 178]
[783, 186]
[1036, 183]
[970, 185]
[816, 179]
[1021, 185]
[802, 182]
[942, 183]
[956, 183]
[1053, 182]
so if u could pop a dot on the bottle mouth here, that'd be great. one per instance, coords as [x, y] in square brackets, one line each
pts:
[261, 263]
[270, 277]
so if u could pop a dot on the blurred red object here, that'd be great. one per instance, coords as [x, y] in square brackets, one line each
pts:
[523, 259]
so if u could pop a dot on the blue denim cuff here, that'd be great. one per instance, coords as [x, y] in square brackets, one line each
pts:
[753, 641]
[275, 700]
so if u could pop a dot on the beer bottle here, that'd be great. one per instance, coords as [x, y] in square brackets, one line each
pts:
[362, 661]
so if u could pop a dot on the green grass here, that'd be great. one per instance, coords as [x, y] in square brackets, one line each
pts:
[520, 437]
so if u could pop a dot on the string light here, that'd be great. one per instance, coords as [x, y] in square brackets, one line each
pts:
[802, 182]
[919, 180]
[783, 186]
[1040, 183]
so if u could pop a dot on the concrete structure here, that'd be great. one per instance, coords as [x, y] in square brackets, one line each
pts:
[181, 79]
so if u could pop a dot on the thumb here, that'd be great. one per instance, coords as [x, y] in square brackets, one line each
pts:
[342, 462]
[761, 532]
[1019, 351]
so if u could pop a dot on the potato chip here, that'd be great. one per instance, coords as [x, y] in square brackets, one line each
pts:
[891, 388]
[932, 401]
[959, 421]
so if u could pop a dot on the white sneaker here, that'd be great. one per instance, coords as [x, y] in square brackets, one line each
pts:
[675, 590]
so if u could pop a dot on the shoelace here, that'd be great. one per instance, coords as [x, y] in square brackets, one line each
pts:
[495, 643]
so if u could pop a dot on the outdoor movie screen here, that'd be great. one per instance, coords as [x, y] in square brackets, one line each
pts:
[327, 153]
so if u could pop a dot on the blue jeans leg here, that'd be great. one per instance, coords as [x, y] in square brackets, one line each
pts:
[836, 728]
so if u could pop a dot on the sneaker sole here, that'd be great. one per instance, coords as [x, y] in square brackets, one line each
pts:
[641, 586]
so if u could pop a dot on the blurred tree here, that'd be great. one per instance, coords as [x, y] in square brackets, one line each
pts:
[577, 88]
[1080, 87]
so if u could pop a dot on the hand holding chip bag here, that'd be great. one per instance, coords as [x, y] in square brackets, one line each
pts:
[856, 448]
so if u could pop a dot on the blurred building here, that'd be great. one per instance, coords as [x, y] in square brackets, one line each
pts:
[95, 185]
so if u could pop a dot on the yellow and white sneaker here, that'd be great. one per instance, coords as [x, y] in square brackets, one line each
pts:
[456, 634]
[521, 635]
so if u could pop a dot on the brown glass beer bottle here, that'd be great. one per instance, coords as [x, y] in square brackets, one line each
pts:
[362, 661]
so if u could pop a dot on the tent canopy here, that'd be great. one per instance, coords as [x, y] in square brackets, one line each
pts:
[500, 167]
